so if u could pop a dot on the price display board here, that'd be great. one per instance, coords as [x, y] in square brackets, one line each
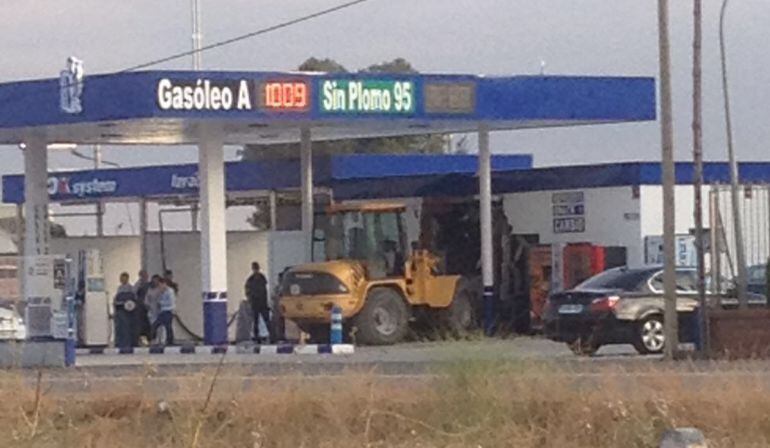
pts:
[450, 98]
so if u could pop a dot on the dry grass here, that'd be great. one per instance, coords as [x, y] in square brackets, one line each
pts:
[465, 405]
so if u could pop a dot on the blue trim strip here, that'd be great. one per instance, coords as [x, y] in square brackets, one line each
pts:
[187, 349]
[285, 349]
[182, 180]
[157, 349]
[541, 179]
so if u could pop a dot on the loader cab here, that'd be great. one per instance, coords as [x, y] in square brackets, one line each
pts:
[373, 234]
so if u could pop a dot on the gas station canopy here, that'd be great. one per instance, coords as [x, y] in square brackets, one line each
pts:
[212, 109]
[169, 107]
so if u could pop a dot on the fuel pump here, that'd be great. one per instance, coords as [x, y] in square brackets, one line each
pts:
[93, 317]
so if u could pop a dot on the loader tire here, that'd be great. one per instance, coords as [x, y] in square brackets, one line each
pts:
[460, 317]
[384, 319]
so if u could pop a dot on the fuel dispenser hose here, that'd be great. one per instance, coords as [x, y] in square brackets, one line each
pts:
[194, 335]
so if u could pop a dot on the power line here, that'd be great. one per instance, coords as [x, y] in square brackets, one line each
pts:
[219, 44]
[233, 40]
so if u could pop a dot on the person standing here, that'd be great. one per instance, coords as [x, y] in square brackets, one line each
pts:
[152, 302]
[256, 293]
[167, 304]
[141, 287]
[279, 323]
[125, 308]
[169, 277]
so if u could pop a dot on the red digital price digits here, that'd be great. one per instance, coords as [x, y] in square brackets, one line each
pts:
[283, 95]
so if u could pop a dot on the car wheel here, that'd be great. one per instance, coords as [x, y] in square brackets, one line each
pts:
[650, 336]
[584, 346]
[384, 319]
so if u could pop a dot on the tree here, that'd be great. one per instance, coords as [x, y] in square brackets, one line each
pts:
[396, 66]
[322, 65]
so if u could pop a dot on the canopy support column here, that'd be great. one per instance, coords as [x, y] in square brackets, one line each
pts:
[36, 240]
[485, 212]
[306, 162]
[211, 170]
[143, 233]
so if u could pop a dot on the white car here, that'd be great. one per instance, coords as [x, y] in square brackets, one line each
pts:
[11, 325]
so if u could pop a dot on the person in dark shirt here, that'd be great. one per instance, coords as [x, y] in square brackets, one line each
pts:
[141, 287]
[256, 293]
[125, 316]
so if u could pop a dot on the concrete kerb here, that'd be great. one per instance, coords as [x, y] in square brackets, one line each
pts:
[32, 354]
[281, 349]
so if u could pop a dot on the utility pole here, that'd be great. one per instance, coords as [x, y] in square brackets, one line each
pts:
[197, 35]
[740, 255]
[667, 150]
[197, 62]
[697, 152]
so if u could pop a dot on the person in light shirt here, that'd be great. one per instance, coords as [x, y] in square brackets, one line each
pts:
[166, 305]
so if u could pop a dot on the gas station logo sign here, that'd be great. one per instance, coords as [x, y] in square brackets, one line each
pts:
[64, 186]
[367, 96]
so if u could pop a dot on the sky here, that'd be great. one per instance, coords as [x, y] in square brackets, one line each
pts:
[494, 37]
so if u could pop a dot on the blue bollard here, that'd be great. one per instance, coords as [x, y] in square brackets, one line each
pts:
[215, 318]
[335, 333]
[70, 343]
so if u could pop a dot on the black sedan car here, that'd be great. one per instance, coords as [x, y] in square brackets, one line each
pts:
[624, 306]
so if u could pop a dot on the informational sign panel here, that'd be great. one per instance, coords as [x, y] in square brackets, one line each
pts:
[38, 276]
[686, 255]
[385, 96]
[568, 212]
[317, 97]
[59, 274]
[450, 98]
[284, 95]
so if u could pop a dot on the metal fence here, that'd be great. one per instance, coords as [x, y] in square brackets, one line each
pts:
[754, 206]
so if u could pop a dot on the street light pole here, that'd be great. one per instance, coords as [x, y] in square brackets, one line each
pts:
[197, 62]
[667, 153]
[740, 255]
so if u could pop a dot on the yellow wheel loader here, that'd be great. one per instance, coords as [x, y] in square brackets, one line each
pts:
[362, 264]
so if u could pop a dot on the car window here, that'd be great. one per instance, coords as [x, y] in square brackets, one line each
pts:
[686, 282]
[617, 279]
